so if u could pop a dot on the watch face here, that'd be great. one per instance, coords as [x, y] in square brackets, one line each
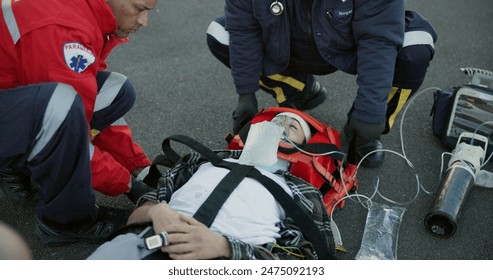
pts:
[153, 242]
[276, 8]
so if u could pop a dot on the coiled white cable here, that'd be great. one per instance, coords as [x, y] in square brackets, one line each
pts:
[367, 202]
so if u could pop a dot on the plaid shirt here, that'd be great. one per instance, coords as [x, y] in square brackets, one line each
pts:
[290, 245]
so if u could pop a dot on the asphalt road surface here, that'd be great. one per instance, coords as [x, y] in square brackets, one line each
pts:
[183, 89]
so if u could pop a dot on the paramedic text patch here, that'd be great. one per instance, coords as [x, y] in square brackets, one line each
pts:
[77, 57]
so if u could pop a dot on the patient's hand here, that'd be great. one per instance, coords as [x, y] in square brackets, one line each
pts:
[163, 215]
[192, 240]
[160, 214]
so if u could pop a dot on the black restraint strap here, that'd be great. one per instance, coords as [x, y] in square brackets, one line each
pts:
[301, 218]
[208, 211]
[190, 142]
[316, 148]
[152, 178]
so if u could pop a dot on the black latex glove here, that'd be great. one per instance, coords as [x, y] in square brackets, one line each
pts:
[247, 108]
[363, 131]
[137, 190]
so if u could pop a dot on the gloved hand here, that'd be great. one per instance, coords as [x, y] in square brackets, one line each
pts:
[137, 190]
[246, 109]
[362, 131]
[363, 139]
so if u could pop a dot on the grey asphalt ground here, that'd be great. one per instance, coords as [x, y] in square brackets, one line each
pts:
[183, 89]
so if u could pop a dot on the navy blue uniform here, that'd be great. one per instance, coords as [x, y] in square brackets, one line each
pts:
[44, 129]
[387, 47]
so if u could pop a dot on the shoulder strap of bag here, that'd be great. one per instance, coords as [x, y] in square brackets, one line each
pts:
[213, 202]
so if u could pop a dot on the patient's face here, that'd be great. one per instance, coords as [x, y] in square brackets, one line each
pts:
[295, 132]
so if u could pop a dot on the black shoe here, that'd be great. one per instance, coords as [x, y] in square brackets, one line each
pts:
[108, 221]
[18, 187]
[310, 100]
[358, 151]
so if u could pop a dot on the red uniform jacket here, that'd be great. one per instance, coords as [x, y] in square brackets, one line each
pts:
[35, 38]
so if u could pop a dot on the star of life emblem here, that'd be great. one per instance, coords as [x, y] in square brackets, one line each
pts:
[77, 57]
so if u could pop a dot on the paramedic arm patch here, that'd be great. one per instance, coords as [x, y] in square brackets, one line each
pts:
[77, 57]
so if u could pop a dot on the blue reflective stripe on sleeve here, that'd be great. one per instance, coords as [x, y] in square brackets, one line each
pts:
[9, 17]
[56, 111]
[109, 90]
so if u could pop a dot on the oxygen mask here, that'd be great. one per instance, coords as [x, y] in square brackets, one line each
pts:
[261, 144]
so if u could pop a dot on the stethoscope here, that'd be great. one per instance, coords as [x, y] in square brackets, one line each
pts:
[276, 8]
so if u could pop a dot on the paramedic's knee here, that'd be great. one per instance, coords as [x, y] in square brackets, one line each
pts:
[64, 114]
[116, 96]
[115, 99]
[412, 64]
[129, 95]
[218, 40]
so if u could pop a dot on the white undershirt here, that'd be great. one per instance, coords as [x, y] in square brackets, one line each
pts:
[249, 214]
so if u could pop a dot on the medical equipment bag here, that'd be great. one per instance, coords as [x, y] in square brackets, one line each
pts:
[465, 108]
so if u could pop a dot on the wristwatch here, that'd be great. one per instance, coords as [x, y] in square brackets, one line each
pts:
[156, 241]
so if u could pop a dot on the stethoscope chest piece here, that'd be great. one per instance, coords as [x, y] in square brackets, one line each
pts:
[276, 8]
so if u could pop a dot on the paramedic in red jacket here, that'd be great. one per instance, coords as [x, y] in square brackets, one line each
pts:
[68, 42]
[53, 49]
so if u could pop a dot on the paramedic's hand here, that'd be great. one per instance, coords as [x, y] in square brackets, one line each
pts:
[363, 131]
[245, 110]
[195, 241]
[137, 189]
